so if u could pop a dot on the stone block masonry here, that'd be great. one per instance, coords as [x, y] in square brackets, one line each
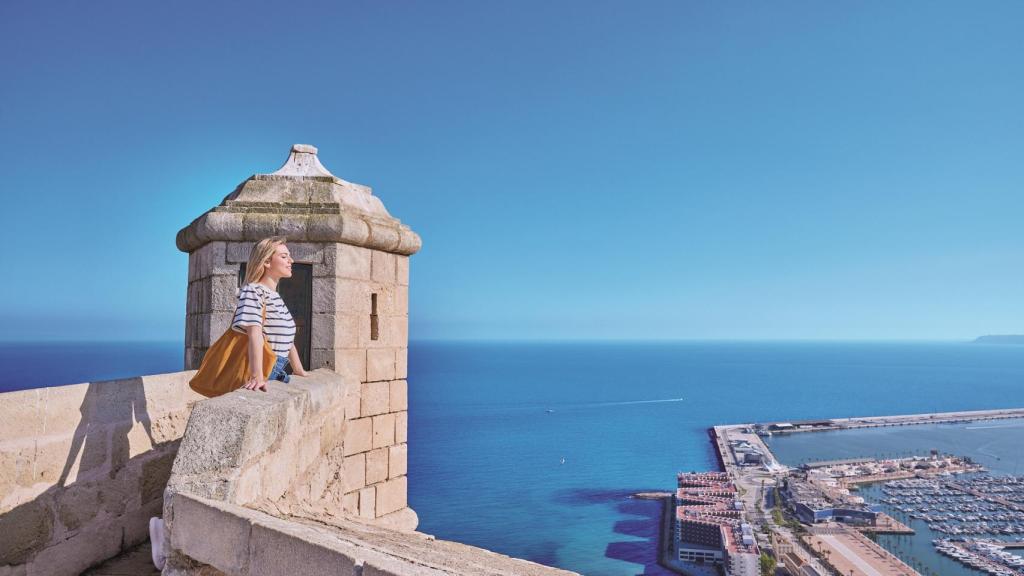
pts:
[319, 446]
[83, 468]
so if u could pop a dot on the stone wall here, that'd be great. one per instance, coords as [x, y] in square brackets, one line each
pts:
[225, 539]
[83, 468]
[306, 478]
[321, 446]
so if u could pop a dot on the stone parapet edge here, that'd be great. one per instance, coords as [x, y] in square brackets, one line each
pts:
[364, 230]
[242, 542]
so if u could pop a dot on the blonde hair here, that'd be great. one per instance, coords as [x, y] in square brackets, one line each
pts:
[259, 256]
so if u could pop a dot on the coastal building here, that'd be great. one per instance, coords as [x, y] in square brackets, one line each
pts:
[709, 524]
[746, 453]
[812, 506]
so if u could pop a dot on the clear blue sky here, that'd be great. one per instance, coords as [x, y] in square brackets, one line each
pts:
[575, 169]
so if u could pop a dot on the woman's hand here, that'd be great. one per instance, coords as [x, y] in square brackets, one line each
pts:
[255, 383]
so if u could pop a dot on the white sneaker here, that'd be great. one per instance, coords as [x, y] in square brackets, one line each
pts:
[156, 540]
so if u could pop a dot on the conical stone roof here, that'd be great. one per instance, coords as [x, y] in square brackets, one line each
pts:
[305, 202]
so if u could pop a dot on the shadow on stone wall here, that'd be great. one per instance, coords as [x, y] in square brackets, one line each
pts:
[105, 509]
[90, 438]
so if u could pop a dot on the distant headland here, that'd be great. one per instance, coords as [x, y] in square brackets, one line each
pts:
[1000, 339]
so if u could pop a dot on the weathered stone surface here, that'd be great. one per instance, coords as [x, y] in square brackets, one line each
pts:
[77, 505]
[223, 293]
[67, 459]
[384, 237]
[402, 271]
[383, 430]
[123, 493]
[19, 570]
[207, 260]
[382, 267]
[367, 503]
[353, 262]
[21, 415]
[398, 396]
[380, 364]
[354, 473]
[332, 434]
[391, 495]
[350, 503]
[400, 302]
[398, 331]
[353, 402]
[64, 407]
[336, 330]
[325, 291]
[212, 534]
[26, 529]
[404, 520]
[376, 465]
[274, 553]
[351, 297]
[155, 472]
[402, 362]
[398, 457]
[89, 546]
[136, 523]
[322, 358]
[401, 427]
[169, 426]
[305, 252]
[375, 398]
[397, 567]
[360, 436]
[351, 363]
[238, 252]
[248, 489]
[15, 470]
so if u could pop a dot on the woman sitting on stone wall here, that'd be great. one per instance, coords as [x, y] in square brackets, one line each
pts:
[269, 261]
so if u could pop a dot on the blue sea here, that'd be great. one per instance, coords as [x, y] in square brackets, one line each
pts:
[533, 448]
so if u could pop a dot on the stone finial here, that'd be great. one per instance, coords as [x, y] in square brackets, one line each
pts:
[303, 161]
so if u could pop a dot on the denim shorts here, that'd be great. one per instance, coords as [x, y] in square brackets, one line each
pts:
[278, 372]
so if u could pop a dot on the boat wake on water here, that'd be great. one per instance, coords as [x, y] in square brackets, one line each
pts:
[622, 403]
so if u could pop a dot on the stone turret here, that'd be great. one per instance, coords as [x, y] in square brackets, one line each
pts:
[348, 293]
[351, 298]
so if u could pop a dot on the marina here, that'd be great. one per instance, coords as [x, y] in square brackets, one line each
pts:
[912, 494]
[983, 556]
[980, 505]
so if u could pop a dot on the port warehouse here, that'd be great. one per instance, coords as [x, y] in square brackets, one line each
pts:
[710, 527]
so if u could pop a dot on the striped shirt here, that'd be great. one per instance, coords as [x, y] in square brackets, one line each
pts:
[280, 327]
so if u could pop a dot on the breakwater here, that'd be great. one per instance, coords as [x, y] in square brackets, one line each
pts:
[832, 424]
[716, 445]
